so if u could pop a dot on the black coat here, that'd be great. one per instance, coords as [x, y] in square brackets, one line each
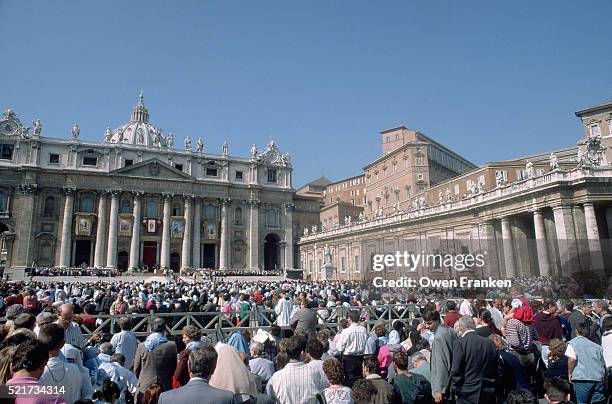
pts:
[474, 369]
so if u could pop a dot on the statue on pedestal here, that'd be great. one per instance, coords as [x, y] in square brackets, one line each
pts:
[37, 128]
[327, 255]
[187, 143]
[107, 134]
[254, 152]
[499, 179]
[225, 151]
[529, 169]
[170, 141]
[554, 162]
[75, 131]
[200, 145]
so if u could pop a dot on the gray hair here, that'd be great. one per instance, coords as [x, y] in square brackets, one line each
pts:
[464, 324]
[418, 356]
[602, 304]
[256, 348]
[106, 348]
[45, 317]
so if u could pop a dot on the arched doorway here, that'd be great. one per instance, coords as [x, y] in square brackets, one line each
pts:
[122, 261]
[271, 252]
[175, 261]
[82, 253]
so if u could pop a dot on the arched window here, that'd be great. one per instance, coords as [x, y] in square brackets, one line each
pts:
[49, 209]
[152, 208]
[238, 216]
[177, 209]
[87, 204]
[210, 212]
[126, 206]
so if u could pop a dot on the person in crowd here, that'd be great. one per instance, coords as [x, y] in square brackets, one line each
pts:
[152, 394]
[420, 365]
[486, 325]
[57, 372]
[582, 314]
[384, 390]
[260, 365]
[231, 374]
[606, 344]
[315, 348]
[566, 309]
[296, 382]
[125, 341]
[304, 320]
[155, 359]
[556, 391]
[547, 323]
[108, 393]
[520, 338]
[191, 338]
[201, 365]
[336, 392]
[75, 356]
[283, 309]
[409, 387]
[586, 366]
[352, 344]
[451, 313]
[72, 330]
[522, 396]
[43, 318]
[600, 309]
[441, 355]
[466, 309]
[6, 355]
[474, 364]
[557, 361]
[512, 376]
[27, 366]
[364, 392]
[119, 306]
[25, 320]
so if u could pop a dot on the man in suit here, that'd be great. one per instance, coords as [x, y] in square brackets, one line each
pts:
[474, 368]
[304, 320]
[155, 359]
[441, 355]
[582, 314]
[201, 365]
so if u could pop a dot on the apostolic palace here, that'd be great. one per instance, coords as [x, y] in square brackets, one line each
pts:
[137, 202]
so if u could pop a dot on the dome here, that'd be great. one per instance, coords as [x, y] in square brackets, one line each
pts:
[137, 131]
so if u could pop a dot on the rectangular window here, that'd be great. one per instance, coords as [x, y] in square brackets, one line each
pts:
[239, 176]
[211, 172]
[128, 162]
[342, 264]
[90, 161]
[54, 158]
[178, 167]
[272, 176]
[6, 152]
[357, 269]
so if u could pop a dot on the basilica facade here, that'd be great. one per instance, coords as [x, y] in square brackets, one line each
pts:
[137, 201]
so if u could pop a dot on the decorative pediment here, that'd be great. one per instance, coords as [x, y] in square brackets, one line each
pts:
[273, 156]
[153, 168]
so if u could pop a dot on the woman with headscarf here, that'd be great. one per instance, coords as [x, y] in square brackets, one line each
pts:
[231, 374]
[385, 354]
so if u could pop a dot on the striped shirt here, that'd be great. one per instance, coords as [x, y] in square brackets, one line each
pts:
[353, 340]
[518, 334]
[74, 336]
[296, 383]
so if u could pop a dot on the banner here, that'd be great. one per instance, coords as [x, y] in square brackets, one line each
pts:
[178, 226]
[84, 225]
[125, 227]
[150, 225]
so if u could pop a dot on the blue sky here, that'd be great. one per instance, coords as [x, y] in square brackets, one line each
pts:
[491, 80]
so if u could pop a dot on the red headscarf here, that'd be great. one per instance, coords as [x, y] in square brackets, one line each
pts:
[525, 312]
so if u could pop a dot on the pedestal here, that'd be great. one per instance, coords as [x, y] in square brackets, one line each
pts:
[327, 271]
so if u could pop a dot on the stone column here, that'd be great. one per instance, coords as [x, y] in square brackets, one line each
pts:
[165, 245]
[283, 249]
[111, 254]
[224, 236]
[254, 236]
[595, 253]
[100, 230]
[566, 239]
[197, 227]
[508, 249]
[24, 211]
[66, 241]
[540, 239]
[288, 236]
[135, 241]
[187, 245]
[488, 247]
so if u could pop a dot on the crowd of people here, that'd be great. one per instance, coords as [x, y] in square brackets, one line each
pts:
[324, 346]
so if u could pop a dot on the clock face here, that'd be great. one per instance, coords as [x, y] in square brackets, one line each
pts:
[8, 128]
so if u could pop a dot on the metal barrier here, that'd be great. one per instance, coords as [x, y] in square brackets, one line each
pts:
[218, 326]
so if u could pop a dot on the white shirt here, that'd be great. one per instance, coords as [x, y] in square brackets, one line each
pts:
[283, 310]
[466, 308]
[296, 383]
[606, 343]
[352, 340]
[125, 343]
[63, 375]
[317, 365]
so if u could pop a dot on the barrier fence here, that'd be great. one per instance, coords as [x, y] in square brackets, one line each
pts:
[218, 326]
